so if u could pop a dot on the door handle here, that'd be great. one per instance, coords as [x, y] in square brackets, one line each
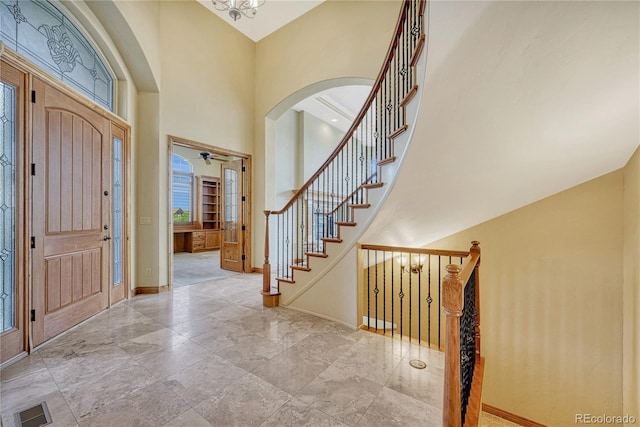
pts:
[106, 238]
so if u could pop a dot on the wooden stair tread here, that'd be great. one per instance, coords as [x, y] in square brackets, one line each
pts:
[270, 293]
[398, 132]
[346, 223]
[409, 96]
[331, 239]
[285, 280]
[300, 267]
[317, 254]
[373, 185]
[387, 161]
[417, 51]
[360, 206]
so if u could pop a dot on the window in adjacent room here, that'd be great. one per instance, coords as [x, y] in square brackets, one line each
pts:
[182, 191]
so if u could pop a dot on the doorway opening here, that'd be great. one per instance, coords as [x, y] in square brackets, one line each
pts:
[210, 207]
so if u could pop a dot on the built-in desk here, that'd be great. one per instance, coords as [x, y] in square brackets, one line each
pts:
[195, 240]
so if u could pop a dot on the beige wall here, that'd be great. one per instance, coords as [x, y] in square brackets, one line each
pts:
[551, 301]
[337, 39]
[206, 95]
[631, 290]
[200, 167]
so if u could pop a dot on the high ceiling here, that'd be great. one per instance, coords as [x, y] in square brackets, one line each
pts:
[337, 106]
[271, 16]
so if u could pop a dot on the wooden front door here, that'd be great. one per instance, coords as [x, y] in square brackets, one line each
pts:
[71, 212]
[12, 178]
[232, 242]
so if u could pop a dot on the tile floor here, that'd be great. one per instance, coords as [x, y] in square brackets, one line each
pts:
[190, 268]
[210, 354]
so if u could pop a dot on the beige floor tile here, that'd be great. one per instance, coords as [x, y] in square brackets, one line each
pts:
[393, 409]
[341, 394]
[290, 371]
[204, 379]
[152, 405]
[296, 413]
[189, 418]
[247, 402]
[155, 359]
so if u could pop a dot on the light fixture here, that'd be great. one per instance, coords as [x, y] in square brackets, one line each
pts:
[417, 261]
[248, 8]
[206, 156]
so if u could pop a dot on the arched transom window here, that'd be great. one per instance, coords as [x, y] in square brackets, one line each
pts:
[44, 33]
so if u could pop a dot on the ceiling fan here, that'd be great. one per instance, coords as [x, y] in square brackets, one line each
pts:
[208, 157]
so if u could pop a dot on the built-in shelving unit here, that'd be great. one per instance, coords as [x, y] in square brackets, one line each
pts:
[205, 233]
[210, 203]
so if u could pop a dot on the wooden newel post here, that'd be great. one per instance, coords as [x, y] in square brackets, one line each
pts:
[453, 303]
[268, 299]
[475, 248]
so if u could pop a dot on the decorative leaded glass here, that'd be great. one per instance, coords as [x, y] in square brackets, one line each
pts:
[7, 205]
[42, 32]
[118, 200]
[231, 206]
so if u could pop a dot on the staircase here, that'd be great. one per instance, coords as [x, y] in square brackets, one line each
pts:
[322, 222]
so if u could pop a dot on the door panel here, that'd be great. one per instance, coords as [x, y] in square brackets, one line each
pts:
[72, 212]
[232, 242]
[12, 178]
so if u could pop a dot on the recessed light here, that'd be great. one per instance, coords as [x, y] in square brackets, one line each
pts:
[334, 120]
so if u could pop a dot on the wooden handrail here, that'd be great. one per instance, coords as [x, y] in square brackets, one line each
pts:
[363, 111]
[426, 251]
[453, 287]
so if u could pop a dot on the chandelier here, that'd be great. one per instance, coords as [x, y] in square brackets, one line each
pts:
[248, 8]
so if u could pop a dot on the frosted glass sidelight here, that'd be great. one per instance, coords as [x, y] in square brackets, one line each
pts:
[230, 206]
[118, 202]
[44, 33]
[7, 205]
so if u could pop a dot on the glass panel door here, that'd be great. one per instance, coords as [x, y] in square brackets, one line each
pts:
[119, 281]
[116, 233]
[232, 244]
[12, 239]
[7, 205]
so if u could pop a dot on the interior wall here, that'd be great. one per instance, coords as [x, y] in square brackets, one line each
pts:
[287, 155]
[200, 167]
[337, 39]
[320, 139]
[146, 177]
[206, 94]
[631, 291]
[551, 303]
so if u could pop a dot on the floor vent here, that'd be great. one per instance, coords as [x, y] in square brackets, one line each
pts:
[34, 417]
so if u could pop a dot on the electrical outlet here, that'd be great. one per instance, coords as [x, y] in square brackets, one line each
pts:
[144, 220]
[147, 272]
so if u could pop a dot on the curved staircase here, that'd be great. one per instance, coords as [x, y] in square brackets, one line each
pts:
[320, 226]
